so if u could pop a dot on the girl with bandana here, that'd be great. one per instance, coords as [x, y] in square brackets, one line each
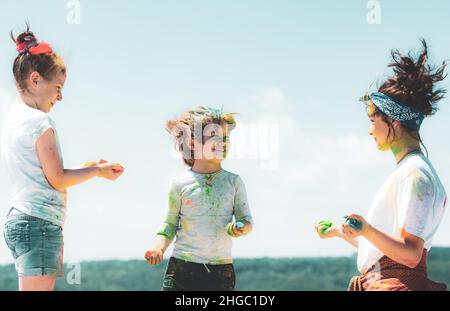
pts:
[202, 203]
[394, 241]
[32, 156]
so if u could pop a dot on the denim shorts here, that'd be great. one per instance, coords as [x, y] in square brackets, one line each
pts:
[35, 244]
[189, 276]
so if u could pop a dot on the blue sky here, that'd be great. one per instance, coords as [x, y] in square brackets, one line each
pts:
[297, 66]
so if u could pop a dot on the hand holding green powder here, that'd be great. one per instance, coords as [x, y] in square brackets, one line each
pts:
[323, 226]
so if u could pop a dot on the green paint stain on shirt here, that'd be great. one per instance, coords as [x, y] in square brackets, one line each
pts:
[172, 199]
[186, 256]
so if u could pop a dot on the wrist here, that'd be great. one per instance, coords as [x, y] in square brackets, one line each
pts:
[339, 234]
[97, 171]
[367, 231]
[157, 249]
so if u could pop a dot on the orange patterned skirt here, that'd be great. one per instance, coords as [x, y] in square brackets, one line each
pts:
[388, 275]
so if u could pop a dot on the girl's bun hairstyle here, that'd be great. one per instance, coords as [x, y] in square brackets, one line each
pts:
[34, 56]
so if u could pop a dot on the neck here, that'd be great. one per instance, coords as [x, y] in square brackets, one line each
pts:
[28, 101]
[402, 148]
[206, 167]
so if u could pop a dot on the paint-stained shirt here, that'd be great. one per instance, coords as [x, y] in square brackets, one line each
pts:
[413, 199]
[32, 194]
[200, 207]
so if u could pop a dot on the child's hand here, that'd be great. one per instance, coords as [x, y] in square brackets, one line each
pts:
[110, 171]
[236, 229]
[355, 226]
[154, 257]
[326, 229]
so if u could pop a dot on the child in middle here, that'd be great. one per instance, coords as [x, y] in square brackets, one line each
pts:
[202, 203]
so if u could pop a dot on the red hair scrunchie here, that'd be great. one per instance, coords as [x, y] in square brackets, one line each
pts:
[41, 48]
[34, 48]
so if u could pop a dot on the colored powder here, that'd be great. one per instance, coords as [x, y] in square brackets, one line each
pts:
[187, 202]
[217, 261]
[185, 225]
[327, 224]
[354, 223]
[420, 187]
[172, 199]
[230, 231]
[150, 254]
[186, 256]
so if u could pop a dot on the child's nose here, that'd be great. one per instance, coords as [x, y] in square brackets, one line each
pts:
[60, 97]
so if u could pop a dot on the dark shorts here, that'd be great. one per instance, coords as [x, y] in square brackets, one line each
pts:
[188, 276]
[35, 244]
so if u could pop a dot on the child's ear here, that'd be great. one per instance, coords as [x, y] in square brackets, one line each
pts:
[396, 124]
[34, 79]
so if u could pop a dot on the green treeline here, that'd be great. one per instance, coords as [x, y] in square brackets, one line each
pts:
[332, 273]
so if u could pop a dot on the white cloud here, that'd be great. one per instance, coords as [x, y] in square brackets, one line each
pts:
[309, 156]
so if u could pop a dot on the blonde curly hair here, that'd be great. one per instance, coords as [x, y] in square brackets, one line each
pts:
[184, 128]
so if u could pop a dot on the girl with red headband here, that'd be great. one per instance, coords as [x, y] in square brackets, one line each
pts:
[31, 153]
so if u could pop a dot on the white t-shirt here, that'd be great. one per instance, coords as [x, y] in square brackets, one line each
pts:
[412, 199]
[32, 194]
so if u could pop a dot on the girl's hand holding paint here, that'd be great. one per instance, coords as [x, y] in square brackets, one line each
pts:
[355, 226]
[154, 257]
[326, 229]
[110, 171]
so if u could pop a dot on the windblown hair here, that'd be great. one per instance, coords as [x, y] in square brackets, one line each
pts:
[47, 65]
[183, 128]
[413, 84]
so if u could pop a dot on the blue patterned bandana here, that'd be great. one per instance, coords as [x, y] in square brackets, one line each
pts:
[408, 116]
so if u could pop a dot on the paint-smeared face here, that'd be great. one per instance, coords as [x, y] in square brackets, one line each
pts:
[47, 93]
[379, 130]
[216, 142]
